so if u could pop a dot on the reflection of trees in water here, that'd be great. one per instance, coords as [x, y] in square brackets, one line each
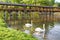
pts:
[18, 19]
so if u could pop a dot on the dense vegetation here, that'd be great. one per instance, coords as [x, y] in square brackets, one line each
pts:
[2, 23]
[11, 34]
[36, 2]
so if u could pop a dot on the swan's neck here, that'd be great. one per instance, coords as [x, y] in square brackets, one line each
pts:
[43, 26]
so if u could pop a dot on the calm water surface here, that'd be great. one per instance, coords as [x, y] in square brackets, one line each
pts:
[54, 33]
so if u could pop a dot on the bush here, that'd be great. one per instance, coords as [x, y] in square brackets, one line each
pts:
[2, 23]
[11, 34]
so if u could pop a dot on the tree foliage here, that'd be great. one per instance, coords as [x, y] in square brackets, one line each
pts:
[58, 4]
[51, 2]
[36, 2]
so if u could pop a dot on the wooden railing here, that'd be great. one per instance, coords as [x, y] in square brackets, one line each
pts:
[31, 8]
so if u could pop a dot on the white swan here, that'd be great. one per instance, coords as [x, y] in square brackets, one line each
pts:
[39, 32]
[28, 25]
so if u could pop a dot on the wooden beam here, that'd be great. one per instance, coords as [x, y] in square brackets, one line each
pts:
[32, 8]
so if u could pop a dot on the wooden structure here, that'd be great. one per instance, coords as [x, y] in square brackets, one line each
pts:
[15, 10]
[31, 8]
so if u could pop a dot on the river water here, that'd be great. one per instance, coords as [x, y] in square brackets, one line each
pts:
[54, 33]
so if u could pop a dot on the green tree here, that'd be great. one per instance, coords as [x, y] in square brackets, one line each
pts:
[51, 2]
[36, 2]
[58, 4]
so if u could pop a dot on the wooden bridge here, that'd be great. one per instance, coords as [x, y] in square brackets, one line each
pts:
[30, 8]
[22, 14]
